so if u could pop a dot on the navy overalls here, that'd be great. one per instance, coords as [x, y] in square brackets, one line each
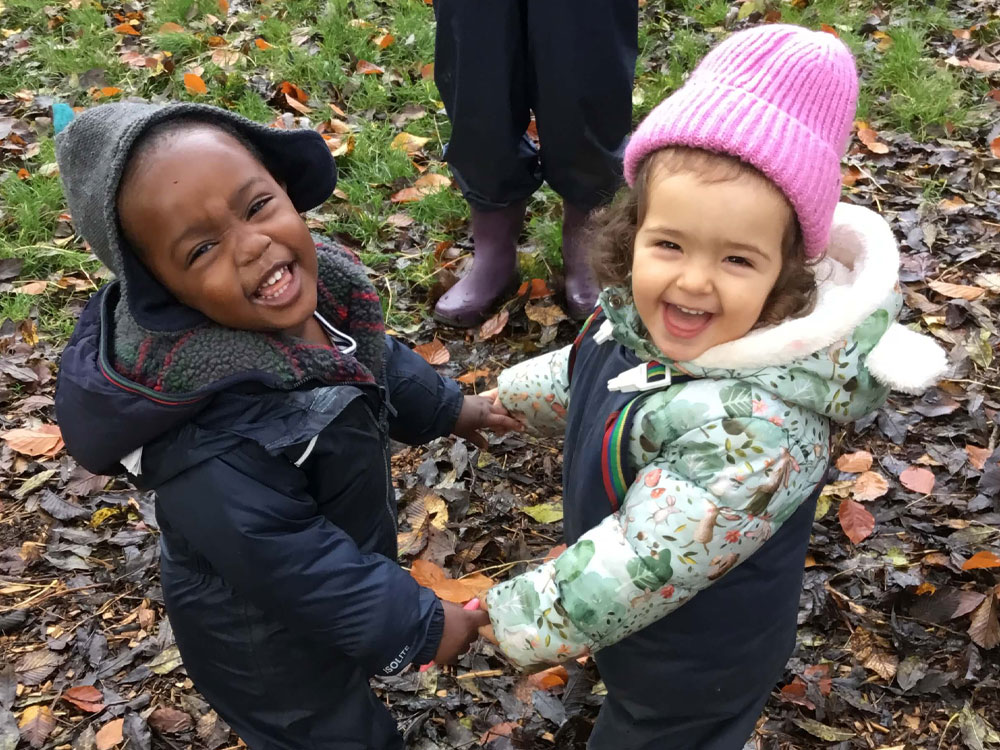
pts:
[699, 678]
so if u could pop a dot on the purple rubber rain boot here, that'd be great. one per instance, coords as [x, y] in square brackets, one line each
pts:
[581, 286]
[494, 268]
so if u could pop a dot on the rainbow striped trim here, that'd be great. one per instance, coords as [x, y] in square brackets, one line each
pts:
[612, 467]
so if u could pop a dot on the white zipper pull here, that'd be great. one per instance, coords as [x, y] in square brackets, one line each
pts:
[603, 334]
[647, 376]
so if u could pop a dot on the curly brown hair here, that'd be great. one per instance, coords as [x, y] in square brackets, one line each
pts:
[614, 227]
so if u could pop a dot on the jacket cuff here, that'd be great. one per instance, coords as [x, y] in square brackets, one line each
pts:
[432, 638]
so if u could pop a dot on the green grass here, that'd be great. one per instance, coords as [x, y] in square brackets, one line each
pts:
[906, 86]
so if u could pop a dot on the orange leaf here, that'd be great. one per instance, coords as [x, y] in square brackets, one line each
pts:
[297, 105]
[855, 462]
[829, 29]
[977, 456]
[555, 552]
[44, 440]
[472, 376]
[962, 33]
[366, 68]
[216, 41]
[925, 588]
[110, 91]
[287, 87]
[995, 147]
[549, 678]
[194, 84]
[261, 44]
[984, 559]
[884, 40]
[85, 697]
[434, 352]
[110, 734]
[384, 40]
[224, 6]
[427, 72]
[855, 520]
[426, 185]
[23, 174]
[32, 287]
[870, 138]
[539, 289]
[171, 28]
[126, 28]
[957, 291]
[458, 590]
[918, 479]
[952, 204]
[869, 486]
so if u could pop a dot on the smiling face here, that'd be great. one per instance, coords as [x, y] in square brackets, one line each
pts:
[706, 257]
[219, 232]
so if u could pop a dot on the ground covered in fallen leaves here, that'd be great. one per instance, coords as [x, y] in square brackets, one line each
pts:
[900, 611]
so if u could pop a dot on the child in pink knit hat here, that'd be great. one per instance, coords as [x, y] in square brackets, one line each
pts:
[745, 311]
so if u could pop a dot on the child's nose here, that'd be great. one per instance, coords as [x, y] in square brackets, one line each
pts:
[251, 246]
[695, 278]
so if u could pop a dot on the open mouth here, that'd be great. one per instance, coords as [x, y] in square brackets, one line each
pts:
[279, 287]
[685, 322]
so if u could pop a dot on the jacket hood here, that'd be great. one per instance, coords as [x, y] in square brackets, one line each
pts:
[93, 151]
[842, 358]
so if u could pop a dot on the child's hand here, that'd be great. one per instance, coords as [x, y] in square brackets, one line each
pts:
[461, 628]
[486, 631]
[484, 412]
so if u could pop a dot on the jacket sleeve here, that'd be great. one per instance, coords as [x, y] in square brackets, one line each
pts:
[537, 391]
[689, 518]
[250, 515]
[426, 404]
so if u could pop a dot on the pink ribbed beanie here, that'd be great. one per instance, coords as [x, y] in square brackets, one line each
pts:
[778, 97]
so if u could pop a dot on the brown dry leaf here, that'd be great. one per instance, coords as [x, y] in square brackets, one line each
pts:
[952, 204]
[985, 626]
[400, 221]
[855, 520]
[298, 106]
[870, 138]
[85, 697]
[426, 185]
[168, 720]
[32, 287]
[434, 352]
[980, 66]
[982, 559]
[977, 456]
[125, 28]
[956, 291]
[962, 33]
[366, 68]
[408, 143]
[472, 376]
[872, 651]
[458, 590]
[553, 553]
[494, 325]
[194, 84]
[498, 730]
[44, 440]
[546, 315]
[854, 463]
[535, 289]
[383, 40]
[36, 723]
[850, 176]
[869, 486]
[918, 480]
[427, 72]
[110, 734]
[171, 28]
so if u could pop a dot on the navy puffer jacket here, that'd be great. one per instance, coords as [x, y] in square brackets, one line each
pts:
[278, 521]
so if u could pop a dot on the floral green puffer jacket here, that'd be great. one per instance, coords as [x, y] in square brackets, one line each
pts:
[721, 461]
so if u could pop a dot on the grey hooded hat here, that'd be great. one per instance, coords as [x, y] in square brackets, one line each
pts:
[93, 150]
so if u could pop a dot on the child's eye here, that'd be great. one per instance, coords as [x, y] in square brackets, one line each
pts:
[667, 245]
[257, 205]
[199, 251]
[740, 261]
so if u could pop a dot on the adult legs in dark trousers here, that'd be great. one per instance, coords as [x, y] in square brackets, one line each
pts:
[572, 62]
